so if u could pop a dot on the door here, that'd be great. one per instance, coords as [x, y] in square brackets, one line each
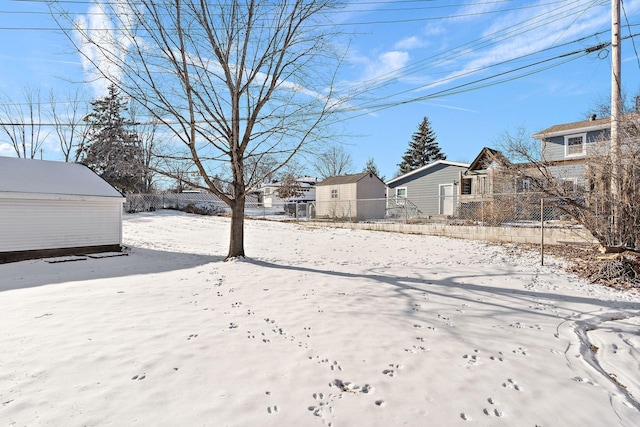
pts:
[446, 199]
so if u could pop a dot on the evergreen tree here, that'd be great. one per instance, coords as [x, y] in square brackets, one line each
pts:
[371, 167]
[111, 149]
[423, 149]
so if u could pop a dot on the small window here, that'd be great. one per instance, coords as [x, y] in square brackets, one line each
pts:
[483, 187]
[569, 185]
[574, 145]
[401, 192]
[523, 185]
[334, 194]
[466, 186]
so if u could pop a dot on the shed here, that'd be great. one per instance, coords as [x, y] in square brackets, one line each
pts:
[431, 189]
[55, 208]
[358, 196]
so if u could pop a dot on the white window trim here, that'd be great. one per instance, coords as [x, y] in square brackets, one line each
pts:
[336, 192]
[405, 192]
[584, 144]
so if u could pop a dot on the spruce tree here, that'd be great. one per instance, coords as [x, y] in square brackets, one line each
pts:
[371, 167]
[423, 149]
[112, 149]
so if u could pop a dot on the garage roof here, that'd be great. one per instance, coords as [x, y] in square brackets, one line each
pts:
[19, 175]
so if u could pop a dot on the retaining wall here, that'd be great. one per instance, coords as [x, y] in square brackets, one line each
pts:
[531, 235]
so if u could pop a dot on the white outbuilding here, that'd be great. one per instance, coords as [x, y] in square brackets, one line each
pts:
[56, 208]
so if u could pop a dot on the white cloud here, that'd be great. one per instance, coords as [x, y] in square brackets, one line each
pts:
[409, 43]
[103, 38]
[7, 150]
[386, 65]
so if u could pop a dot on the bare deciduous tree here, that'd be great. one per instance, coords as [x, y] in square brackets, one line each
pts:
[21, 123]
[333, 161]
[67, 116]
[233, 81]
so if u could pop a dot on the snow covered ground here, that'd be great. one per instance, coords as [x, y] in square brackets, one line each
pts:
[319, 326]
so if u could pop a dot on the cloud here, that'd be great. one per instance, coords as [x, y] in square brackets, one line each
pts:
[7, 150]
[386, 65]
[103, 37]
[519, 33]
[409, 43]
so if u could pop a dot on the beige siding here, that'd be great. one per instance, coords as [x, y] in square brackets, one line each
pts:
[354, 200]
[27, 224]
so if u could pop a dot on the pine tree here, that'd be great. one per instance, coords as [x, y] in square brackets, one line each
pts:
[111, 149]
[371, 167]
[423, 149]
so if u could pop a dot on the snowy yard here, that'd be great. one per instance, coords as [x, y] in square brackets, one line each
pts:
[319, 326]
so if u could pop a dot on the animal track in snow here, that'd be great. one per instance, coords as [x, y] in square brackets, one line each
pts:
[392, 372]
[272, 409]
[192, 336]
[139, 377]
[520, 350]
[510, 383]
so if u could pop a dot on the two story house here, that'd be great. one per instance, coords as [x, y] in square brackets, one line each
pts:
[566, 147]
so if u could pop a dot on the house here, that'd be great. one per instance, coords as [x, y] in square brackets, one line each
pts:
[482, 179]
[565, 147]
[55, 208]
[358, 196]
[431, 189]
[270, 197]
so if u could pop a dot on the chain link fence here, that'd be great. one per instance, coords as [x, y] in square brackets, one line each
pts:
[210, 204]
[521, 209]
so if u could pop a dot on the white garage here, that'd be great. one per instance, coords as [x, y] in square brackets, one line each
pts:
[56, 208]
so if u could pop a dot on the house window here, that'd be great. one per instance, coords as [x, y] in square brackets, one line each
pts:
[466, 186]
[401, 192]
[483, 187]
[569, 185]
[574, 145]
[523, 185]
[334, 194]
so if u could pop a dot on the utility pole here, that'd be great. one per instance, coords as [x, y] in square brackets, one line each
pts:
[616, 113]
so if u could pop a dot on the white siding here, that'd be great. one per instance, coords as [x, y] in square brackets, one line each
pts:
[28, 224]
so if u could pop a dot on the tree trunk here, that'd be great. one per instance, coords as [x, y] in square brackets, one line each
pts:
[236, 241]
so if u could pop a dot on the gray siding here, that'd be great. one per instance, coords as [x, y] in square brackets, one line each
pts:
[423, 188]
[553, 148]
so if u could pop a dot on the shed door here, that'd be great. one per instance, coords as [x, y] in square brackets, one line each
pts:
[446, 199]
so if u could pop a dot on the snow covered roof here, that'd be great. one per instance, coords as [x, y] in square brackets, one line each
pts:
[47, 177]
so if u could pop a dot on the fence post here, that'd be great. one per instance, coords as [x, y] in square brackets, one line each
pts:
[541, 231]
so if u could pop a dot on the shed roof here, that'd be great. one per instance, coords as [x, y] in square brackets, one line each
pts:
[48, 177]
[429, 166]
[345, 179]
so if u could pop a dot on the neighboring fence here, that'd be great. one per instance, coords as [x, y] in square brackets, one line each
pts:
[208, 204]
[492, 218]
[517, 209]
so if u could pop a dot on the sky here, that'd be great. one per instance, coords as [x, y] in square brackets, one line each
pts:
[476, 69]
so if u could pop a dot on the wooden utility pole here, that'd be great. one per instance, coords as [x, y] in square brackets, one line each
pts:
[616, 114]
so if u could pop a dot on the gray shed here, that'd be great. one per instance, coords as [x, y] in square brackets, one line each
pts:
[432, 188]
[55, 208]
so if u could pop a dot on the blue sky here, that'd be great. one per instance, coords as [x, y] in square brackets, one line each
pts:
[476, 69]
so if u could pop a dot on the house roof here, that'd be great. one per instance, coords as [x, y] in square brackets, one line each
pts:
[47, 177]
[486, 153]
[425, 167]
[592, 124]
[345, 179]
